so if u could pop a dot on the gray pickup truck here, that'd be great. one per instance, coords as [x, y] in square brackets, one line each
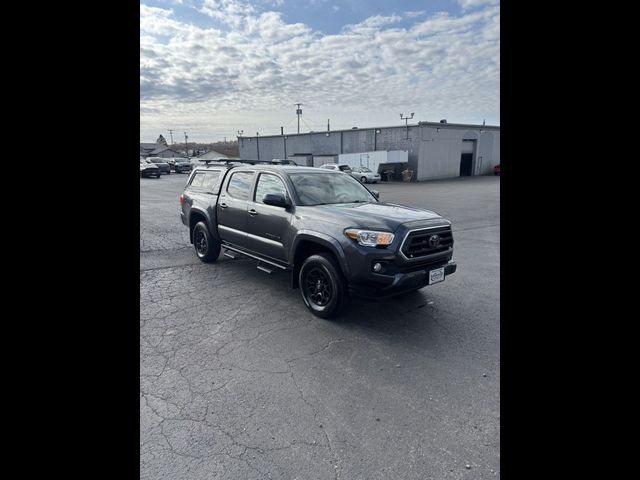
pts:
[329, 230]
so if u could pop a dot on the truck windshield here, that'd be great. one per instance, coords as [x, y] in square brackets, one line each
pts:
[328, 188]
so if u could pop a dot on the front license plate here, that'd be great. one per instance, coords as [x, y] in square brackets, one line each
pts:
[436, 275]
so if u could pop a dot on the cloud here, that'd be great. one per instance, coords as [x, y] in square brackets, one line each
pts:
[374, 22]
[231, 12]
[414, 13]
[247, 69]
[469, 4]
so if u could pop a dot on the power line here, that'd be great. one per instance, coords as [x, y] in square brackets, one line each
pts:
[308, 126]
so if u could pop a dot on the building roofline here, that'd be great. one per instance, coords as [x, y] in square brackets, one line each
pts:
[419, 124]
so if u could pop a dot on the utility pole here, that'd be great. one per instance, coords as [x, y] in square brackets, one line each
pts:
[258, 144]
[281, 130]
[328, 126]
[225, 140]
[406, 122]
[298, 113]
[171, 133]
[186, 145]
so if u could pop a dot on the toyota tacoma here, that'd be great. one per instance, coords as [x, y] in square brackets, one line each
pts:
[329, 230]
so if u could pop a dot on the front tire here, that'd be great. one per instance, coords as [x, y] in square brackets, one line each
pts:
[207, 249]
[322, 285]
[363, 179]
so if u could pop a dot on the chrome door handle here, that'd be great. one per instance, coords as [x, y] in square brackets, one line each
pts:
[223, 205]
[253, 212]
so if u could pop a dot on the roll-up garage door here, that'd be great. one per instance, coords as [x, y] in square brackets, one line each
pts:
[467, 146]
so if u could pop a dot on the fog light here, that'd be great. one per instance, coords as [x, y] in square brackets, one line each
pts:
[377, 267]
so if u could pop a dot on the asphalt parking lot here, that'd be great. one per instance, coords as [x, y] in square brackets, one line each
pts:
[239, 381]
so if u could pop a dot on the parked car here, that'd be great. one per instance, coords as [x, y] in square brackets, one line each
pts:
[162, 164]
[182, 165]
[329, 230]
[365, 175]
[338, 167]
[148, 169]
[171, 162]
[281, 161]
[496, 170]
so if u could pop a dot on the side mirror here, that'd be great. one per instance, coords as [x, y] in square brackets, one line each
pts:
[376, 194]
[276, 199]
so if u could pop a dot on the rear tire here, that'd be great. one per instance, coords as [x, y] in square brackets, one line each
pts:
[207, 249]
[322, 285]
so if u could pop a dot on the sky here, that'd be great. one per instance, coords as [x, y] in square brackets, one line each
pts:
[212, 68]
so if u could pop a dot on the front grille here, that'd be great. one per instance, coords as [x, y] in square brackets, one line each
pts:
[417, 245]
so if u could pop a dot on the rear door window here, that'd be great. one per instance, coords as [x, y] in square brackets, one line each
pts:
[239, 185]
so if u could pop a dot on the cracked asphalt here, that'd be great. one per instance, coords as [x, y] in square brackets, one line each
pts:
[239, 381]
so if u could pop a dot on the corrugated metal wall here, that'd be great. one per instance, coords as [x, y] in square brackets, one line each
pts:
[431, 151]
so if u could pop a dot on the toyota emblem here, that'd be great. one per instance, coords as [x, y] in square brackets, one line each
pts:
[434, 241]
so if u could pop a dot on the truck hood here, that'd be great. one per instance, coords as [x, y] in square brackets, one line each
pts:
[383, 216]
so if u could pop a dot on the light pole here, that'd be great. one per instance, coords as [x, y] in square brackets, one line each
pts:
[186, 145]
[298, 113]
[406, 121]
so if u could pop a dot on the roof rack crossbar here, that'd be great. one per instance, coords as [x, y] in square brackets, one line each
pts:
[228, 161]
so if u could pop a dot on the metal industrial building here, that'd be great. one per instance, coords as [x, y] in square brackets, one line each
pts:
[433, 150]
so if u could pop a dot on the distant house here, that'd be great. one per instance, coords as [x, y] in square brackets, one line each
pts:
[210, 155]
[147, 148]
[163, 151]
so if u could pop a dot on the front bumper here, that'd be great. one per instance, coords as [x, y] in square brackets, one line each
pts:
[401, 282]
[398, 273]
[150, 173]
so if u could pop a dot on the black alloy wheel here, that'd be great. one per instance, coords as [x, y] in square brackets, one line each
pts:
[318, 287]
[322, 285]
[207, 249]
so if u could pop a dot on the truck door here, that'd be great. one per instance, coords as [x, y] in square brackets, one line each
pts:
[268, 225]
[232, 208]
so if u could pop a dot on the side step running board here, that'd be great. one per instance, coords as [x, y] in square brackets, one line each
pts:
[264, 265]
[265, 268]
[230, 254]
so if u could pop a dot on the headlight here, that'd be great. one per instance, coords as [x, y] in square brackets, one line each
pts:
[369, 238]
